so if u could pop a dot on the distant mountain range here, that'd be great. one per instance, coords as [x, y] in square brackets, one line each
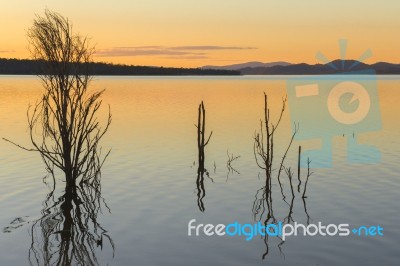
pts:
[253, 64]
[334, 67]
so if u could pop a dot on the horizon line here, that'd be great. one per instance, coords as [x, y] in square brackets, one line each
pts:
[243, 62]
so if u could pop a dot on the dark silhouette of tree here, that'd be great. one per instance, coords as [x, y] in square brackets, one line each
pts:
[201, 144]
[65, 130]
[63, 125]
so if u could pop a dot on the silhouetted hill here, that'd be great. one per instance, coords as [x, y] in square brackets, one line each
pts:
[34, 67]
[334, 67]
[246, 65]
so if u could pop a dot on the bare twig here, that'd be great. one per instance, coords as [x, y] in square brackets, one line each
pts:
[308, 175]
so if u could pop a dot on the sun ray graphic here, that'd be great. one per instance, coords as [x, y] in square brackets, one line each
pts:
[343, 43]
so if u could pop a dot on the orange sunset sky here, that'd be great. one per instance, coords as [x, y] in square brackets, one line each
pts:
[191, 33]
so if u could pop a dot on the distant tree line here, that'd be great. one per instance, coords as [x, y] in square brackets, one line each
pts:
[36, 67]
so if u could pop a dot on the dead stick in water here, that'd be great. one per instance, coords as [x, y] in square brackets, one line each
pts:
[298, 170]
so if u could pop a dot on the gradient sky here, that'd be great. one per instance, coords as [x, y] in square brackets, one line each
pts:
[191, 33]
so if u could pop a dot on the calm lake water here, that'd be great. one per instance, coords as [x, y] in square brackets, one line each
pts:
[149, 179]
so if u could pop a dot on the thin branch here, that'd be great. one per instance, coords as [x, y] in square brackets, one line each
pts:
[308, 175]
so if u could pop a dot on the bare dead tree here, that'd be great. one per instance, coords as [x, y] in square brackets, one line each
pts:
[63, 124]
[264, 147]
[264, 153]
[264, 140]
[201, 144]
[201, 128]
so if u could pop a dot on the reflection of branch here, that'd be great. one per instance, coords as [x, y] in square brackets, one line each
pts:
[15, 224]
[280, 248]
[308, 175]
[265, 254]
[68, 231]
[201, 192]
[289, 173]
[231, 158]
[305, 188]
[305, 210]
[69, 226]
[258, 204]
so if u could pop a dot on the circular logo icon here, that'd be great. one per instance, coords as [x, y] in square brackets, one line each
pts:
[359, 93]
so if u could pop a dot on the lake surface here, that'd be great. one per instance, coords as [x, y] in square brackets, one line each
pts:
[149, 181]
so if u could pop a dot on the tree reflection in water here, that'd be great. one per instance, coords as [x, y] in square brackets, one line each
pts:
[68, 231]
